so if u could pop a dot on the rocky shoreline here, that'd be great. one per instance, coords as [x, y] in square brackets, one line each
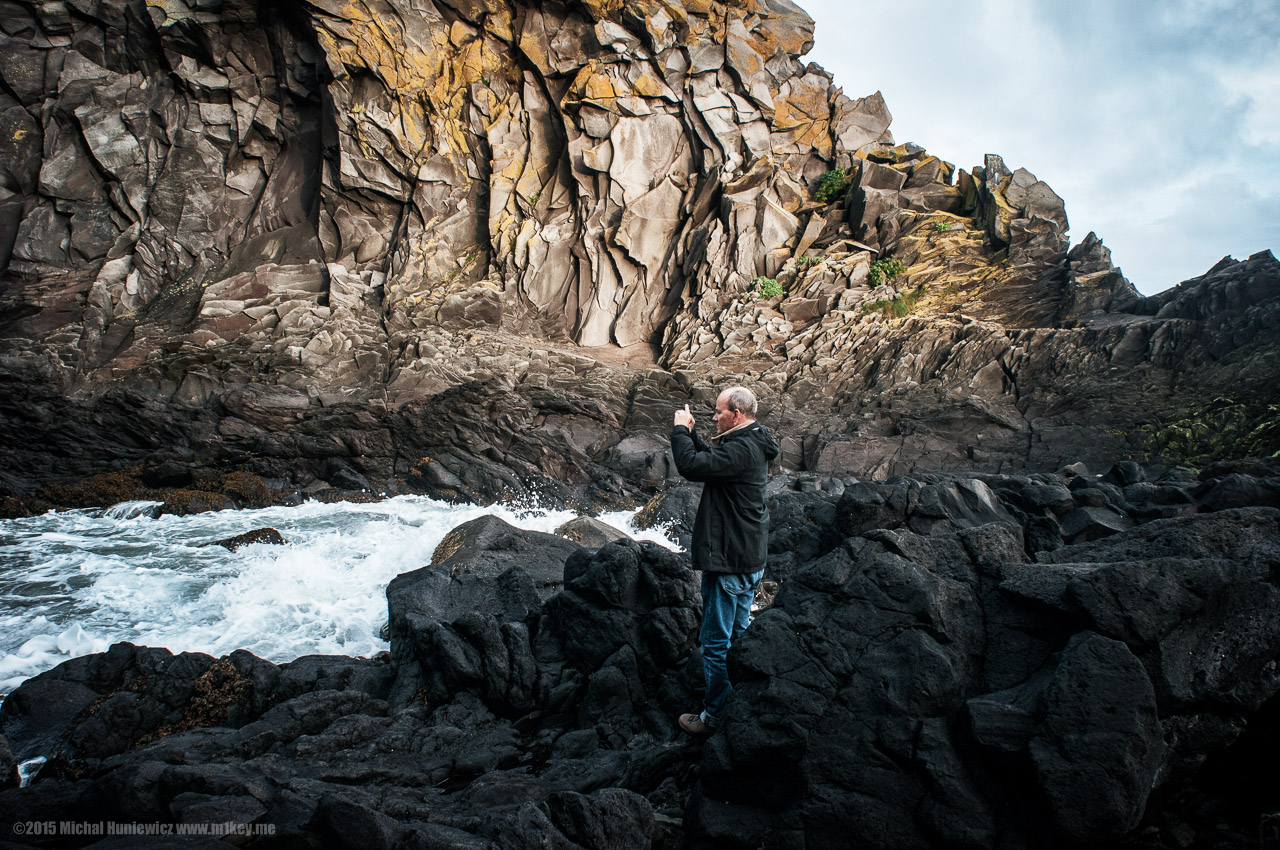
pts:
[1050, 660]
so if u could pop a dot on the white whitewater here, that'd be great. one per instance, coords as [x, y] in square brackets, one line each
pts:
[75, 582]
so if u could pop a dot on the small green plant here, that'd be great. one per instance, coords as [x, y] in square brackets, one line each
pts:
[803, 263]
[1225, 429]
[883, 271]
[898, 306]
[832, 186]
[942, 226]
[766, 287]
[533, 199]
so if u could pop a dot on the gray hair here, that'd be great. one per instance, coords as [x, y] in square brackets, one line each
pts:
[742, 400]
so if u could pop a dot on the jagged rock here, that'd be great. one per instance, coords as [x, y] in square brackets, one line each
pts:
[673, 510]
[1080, 734]
[462, 622]
[325, 719]
[612, 817]
[625, 620]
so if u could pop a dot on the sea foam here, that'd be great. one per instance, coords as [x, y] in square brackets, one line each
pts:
[75, 582]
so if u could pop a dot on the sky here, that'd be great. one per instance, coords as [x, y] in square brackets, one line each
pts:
[1158, 123]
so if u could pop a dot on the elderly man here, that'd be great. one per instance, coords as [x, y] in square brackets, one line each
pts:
[730, 533]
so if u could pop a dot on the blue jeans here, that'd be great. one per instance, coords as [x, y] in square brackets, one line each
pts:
[726, 610]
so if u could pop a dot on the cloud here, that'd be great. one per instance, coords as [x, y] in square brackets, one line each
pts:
[1259, 91]
[1158, 125]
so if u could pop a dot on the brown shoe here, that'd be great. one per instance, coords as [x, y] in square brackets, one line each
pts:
[695, 725]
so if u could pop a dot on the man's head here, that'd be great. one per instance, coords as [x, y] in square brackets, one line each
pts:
[734, 407]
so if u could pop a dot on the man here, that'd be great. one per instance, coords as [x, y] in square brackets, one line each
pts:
[730, 533]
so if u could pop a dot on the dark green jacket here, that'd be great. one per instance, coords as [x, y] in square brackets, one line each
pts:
[731, 531]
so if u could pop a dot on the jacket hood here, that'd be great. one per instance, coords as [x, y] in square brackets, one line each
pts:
[757, 433]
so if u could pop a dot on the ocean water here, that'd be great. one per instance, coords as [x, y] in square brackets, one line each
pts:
[75, 582]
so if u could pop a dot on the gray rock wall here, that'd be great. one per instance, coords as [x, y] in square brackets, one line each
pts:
[315, 182]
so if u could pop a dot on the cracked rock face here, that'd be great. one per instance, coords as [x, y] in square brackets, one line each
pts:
[316, 180]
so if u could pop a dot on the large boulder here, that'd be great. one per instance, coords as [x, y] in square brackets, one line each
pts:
[610, 644]
[462, 622]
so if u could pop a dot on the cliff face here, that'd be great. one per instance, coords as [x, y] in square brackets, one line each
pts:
[220, 220]
[191, 176]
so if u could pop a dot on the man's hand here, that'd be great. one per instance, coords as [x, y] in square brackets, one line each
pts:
[685, 418]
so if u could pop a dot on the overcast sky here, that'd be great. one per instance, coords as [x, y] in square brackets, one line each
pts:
[1158, 123]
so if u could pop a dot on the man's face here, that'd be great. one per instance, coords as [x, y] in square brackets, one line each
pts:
[725, 418]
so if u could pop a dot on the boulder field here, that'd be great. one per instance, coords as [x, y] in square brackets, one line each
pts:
[1056, 660]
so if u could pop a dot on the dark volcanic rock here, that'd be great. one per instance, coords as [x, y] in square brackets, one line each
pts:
[269, 536]
[470, 559]
[462, 623]
[1084, 681]
[610, 641]
[313, 747]
[8, 766]
[673, 510]
[952, 680]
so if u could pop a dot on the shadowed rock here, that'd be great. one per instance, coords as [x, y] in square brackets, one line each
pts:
[462, 623]
[947, 681]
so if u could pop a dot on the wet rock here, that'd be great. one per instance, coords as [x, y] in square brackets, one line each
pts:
[35, 718]
[168, 474]
[589, 532]
[487, 548]
[268, 536]
[673, 510]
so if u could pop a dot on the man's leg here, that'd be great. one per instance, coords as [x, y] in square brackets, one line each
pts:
[719, 616]
[726, 611]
